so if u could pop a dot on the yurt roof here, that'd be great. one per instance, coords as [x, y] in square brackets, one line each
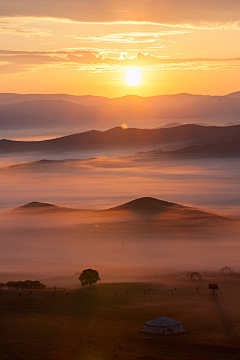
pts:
[162, 321]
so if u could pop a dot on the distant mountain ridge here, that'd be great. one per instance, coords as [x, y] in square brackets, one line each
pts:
[13, 98]
[43, 110]
[118, 138]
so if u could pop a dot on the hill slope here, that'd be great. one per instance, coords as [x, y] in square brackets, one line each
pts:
[35, 111]
[117, 138]
[219, 149]
[147, 206]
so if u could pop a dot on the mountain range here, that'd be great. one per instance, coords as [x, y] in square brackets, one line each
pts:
[186, 139]
[94, 112]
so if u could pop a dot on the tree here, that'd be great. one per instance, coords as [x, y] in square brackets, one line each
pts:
[28, 284]
[13, 284]
[36, 285]
[89, 276]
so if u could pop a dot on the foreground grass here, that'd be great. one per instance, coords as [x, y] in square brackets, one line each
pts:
[105, 322]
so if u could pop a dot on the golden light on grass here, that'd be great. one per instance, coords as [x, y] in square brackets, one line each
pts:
[133, 77]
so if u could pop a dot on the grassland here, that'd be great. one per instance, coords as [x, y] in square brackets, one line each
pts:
[105, 322]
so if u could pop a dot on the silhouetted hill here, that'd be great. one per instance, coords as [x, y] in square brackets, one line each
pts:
[235, 95]
[36, 204]
[157, 102]
[152, 207]
[211, 107]
[117, 138]
[173, 124]
[12, 98]
[219, 149]
[44, 113]
[146, 204]
[37, 111]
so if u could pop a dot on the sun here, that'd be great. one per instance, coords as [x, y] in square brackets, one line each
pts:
[133, 77]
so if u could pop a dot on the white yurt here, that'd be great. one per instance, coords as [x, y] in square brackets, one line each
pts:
[163, 325]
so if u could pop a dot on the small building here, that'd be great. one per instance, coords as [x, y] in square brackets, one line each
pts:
[195, 276]
[226, 270]
[163, 325]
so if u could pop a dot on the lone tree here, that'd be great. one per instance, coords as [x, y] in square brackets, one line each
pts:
[89, 276]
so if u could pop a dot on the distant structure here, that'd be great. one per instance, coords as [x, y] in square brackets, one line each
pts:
[213, 289]
[226, 270]
[195, 276]
[163, 325]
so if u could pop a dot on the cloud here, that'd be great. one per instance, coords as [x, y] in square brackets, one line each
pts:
[21, 61]
[159, 11]
[54, 52]
[18, 61]
[141, 59]
[19, 28]
[131, 37]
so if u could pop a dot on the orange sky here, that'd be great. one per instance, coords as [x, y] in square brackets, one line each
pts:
[86, 47]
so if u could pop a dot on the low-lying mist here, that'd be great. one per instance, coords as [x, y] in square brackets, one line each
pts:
[211, 184]
[123, 244]
[117, 243]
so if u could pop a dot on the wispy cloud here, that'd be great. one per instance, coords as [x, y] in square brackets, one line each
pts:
[18, 61]
[19, 27]
[17, 22]
[131, 37]
[159, 11]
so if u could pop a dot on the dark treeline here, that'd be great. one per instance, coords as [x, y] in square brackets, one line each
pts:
[27, 284]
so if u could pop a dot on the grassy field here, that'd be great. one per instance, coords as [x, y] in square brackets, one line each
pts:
[105, 322]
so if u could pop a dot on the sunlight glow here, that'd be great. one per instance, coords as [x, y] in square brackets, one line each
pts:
[133, 77]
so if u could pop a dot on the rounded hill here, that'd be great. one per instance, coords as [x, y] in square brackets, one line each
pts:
[36, 204]
[146, 204]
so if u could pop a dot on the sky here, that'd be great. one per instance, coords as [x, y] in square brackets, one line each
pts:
[86, 46]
